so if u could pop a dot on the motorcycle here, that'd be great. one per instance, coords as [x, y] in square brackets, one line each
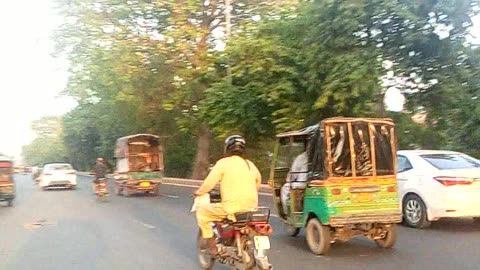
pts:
[243, 243]
[101, 189]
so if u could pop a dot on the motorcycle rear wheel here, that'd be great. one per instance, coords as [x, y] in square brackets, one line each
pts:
[248, 256]
[205, 260]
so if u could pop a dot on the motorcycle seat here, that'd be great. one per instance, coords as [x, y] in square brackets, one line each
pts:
[251, 216]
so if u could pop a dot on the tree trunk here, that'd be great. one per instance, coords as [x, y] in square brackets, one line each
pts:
[381, 106]
[200, 165]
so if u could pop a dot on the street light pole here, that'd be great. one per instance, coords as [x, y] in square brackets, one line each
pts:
[228, 18]
[228, 31]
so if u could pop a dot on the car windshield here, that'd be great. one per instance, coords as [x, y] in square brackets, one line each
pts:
[451, 161]
[59, 167]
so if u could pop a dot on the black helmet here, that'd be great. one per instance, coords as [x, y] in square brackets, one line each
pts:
[234, 143]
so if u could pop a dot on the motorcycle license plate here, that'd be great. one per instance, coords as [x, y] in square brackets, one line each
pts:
[261, 242]
[145, 184]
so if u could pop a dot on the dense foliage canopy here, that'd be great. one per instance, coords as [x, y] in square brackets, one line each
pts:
[189, 71]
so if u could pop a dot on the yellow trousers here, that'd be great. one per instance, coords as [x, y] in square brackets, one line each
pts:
[207, 213]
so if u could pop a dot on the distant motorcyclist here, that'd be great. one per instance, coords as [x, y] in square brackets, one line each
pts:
[100, 173]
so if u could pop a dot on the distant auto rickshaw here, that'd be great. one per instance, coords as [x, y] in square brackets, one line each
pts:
[139, 164]
[7, 184]
[349, 186]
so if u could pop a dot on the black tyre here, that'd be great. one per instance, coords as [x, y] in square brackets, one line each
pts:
[206, 261]
[10, 202]
[390, 238]
[415, 212]
[156, 191]
[248, 258]
[126, 192]
[292, 231]
[118, 190]
[318, 237]
[476, 220]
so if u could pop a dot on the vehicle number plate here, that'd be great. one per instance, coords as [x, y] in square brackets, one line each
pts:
[364, 197]
[145, 184]
[261, 242]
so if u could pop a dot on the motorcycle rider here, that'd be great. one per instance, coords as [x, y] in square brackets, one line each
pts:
[100, 172]
[239, 183]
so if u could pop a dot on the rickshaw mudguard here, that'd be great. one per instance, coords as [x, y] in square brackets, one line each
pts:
[315, 203]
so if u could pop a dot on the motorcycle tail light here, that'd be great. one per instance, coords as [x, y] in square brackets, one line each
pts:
[264, 229]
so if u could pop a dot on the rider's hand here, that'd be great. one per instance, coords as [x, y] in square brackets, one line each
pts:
[195, 195]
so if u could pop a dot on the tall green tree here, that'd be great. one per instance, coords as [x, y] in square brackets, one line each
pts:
[158, 54]
[48, 145]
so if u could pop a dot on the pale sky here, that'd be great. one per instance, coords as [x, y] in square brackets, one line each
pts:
[30, 78]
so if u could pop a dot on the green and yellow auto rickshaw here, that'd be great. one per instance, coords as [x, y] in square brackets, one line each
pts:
[347, 186]
[139, 164]
[7, 184]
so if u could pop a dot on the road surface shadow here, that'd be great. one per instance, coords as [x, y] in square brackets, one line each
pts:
[357, 246]
[454, 225]
[141, 195]
[57, 189]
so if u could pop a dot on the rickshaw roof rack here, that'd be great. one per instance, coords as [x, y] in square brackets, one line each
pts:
[302, 132]
[357, 119]
[311, 129]
[129, 137]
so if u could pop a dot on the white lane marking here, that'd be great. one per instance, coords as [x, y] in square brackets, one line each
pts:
[192, 186]
[180, 185]
[170, 196]
[40, 223]
[146, 225]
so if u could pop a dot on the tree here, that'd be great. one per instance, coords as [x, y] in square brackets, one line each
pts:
[48, 146]
[166, 43]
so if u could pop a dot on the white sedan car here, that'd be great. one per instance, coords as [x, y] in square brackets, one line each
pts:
[58, 175]
[437, 184]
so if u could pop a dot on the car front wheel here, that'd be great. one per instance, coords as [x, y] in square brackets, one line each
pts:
[415, 212]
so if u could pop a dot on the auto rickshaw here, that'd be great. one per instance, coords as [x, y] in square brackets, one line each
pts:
[7, 185]
[349, 188]
[139, 164]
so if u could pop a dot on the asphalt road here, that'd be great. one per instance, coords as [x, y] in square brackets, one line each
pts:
[69, 229]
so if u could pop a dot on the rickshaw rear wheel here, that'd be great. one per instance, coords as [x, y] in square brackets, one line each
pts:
[10, 202]
[155, 191]
[118, 191]
[126, 193]
[318, 237]
[390, 237]
[292, 231]
[476, 220]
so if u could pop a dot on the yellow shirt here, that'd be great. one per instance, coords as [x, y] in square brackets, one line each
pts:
[239, 183]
